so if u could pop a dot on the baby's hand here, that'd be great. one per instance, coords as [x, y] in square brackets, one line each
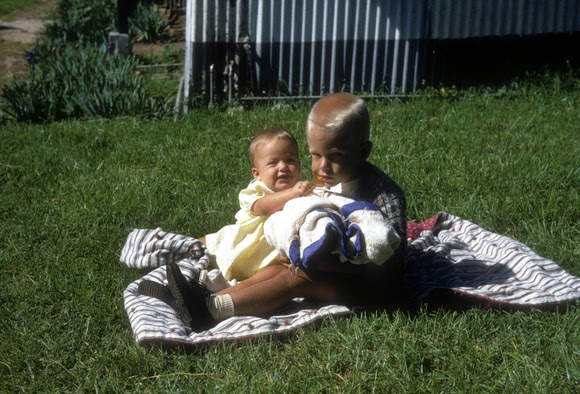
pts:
[302, 188]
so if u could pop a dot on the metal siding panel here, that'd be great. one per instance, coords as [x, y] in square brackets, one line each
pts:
[388, 36]
[355, 46]
[560, 16]
[573, 13]
[187, 66]
[520, 10]
[302, 51]
[311, 46]
[375, 49]
[324, 47]
[407, 27]
[259, 34]
[279, 38]
[549, 22]
[478, 18]
[291, 61]
[458, 20]
[334, 54]
[451, 19]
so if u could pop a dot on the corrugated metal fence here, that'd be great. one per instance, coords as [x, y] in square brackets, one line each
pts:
[297, 48]
[304, 47]
[480, 18]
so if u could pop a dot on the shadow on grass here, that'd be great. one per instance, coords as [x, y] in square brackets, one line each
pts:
[434, 281]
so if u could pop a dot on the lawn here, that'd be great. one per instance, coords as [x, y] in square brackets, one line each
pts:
[8, 6]
[71, 191]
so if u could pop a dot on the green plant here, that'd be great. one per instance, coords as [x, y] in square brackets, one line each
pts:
[82, 21]
[147, 24]
[79, 81]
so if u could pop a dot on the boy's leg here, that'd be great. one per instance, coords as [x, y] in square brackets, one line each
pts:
[260, 276]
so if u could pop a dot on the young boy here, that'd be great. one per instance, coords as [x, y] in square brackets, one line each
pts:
[337, 132]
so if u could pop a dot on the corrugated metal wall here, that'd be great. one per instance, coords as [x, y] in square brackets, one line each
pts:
[313, 47]
[307, 47]
[321, 46]
[481, 18]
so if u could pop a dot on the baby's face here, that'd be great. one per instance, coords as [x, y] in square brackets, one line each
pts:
[335, 158]
[277, 165]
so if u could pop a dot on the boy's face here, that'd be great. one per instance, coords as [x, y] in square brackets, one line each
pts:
[277, 164]
[336, 157]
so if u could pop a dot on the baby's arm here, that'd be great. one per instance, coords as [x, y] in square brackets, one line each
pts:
[270, 203]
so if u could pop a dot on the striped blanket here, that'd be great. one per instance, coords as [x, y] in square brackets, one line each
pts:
[448, 253]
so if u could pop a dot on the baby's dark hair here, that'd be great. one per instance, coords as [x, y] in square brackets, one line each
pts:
[267, 136]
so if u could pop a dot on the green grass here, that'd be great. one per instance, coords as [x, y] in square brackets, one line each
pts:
[71, 191]
[8, 6]
[161, 70]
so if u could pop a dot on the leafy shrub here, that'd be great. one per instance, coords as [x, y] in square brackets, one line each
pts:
[84, 81]
[147, 24]
[74, 74]
[82, 21]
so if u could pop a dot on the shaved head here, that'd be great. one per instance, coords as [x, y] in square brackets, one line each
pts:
[340, 113]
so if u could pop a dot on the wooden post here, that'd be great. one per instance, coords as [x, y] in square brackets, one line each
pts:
[124, 10]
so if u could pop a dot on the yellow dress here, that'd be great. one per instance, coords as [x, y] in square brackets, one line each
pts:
[239, 250]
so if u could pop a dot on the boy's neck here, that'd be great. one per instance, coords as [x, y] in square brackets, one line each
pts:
[347, 189]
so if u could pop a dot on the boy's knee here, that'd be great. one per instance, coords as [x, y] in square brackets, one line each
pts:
[293, 277]
[300, 284]
[294, 282]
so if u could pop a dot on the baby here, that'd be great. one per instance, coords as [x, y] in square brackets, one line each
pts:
[240, 250]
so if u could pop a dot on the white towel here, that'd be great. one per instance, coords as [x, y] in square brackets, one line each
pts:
[312, 227]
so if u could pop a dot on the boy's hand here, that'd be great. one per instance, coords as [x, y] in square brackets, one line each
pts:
[302, 188]
[283, 260]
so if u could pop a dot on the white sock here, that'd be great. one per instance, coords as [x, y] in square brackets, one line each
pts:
[221, 306]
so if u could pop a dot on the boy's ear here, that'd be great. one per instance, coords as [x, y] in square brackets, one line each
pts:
[365, 150]
[255, 173]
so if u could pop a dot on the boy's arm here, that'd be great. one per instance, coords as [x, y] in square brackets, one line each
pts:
[273, 202]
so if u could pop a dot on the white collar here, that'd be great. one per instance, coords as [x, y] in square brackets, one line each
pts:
[346, 189]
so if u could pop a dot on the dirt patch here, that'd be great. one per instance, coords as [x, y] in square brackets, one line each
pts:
[17, 32]
[16, 38]
[21, 30]
[41, 10]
